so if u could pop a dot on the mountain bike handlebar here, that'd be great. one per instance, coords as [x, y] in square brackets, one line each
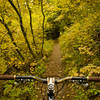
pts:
[50, 81]
[44, 80]
[14, 77]
[96, 79]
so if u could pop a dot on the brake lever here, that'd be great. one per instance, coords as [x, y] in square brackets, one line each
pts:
[81, 82]
[19, 81]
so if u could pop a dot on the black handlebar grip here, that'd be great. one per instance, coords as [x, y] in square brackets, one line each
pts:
[7, 77]
[96, 79]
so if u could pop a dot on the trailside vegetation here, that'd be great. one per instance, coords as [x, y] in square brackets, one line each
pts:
[80, 43]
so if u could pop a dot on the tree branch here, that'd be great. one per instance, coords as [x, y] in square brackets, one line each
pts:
[30, 14]
[42, 27]
[21, 26]
[11, 37]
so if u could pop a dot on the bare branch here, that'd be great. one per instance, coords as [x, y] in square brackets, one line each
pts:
[21, 25]
[42, 26]
[31, 25]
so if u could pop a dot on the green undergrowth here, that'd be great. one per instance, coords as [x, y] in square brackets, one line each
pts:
[80, 55]
[80, 51]
[12, 90]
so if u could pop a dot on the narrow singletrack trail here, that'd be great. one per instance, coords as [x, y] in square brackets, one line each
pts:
[53, 67]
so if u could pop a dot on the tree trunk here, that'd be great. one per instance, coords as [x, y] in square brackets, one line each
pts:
[42, 27]
[31, 25]
[12, 39]
[22, 27]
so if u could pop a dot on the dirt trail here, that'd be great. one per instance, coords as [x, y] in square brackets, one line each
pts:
[54, 69]
[54, 64]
